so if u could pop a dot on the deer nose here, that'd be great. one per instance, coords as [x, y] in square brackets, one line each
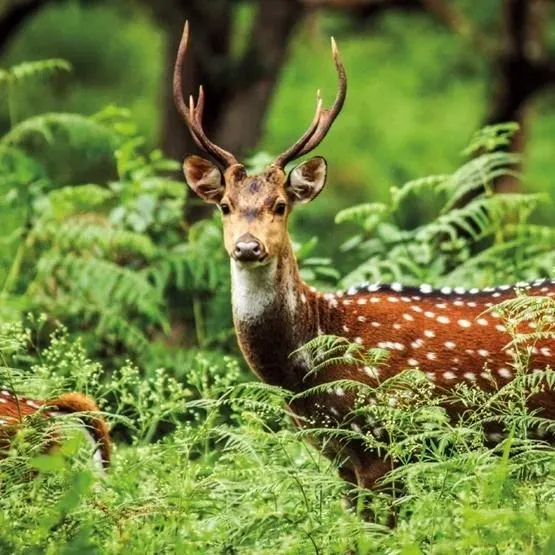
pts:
[248, 249]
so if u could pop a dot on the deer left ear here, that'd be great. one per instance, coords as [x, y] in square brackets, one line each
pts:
[307, 180]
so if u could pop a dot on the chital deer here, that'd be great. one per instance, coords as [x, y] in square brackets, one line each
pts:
[445, 332]
[13, 410]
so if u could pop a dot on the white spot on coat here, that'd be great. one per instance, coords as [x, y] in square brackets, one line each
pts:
[372, 372]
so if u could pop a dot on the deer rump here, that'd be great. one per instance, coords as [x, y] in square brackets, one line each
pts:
[14, 410]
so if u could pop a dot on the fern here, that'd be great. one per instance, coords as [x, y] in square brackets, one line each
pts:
[460, 238]
[93, 235]
[32, 70]
[45, 127]
[366, 216]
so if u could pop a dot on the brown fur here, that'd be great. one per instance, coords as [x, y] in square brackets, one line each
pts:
[14, 409]
[267, 344]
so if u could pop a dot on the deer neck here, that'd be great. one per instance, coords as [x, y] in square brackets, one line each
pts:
[272, 318]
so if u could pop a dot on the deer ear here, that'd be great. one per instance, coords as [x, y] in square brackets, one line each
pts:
[204, 178]
[307, 180]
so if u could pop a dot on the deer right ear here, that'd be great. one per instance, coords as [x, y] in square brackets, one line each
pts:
[204, 178]
[307, 180]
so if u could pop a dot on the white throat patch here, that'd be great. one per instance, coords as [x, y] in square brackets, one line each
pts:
[252, 289]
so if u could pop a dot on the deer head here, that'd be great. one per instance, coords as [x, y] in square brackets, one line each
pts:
[255, 208]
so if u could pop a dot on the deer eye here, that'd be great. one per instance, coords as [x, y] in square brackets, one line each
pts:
[280, 208]
[225, 209]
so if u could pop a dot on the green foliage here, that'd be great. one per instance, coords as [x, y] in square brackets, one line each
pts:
[472, 229]
[105, 258]
[235, 476]
[114, 56]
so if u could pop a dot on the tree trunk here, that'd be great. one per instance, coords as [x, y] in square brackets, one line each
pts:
[254, 81]
[238, 93]
[14, 16]
[207, 63]
[522, 70]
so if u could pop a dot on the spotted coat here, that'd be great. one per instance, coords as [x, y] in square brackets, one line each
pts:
[448, 333]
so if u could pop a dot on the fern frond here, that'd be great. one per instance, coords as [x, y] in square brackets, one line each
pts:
[96, 236]
[77, 199]
[476, 175]
[113, 295]
[79, 128]
[481, 217]
[420, 186]
[366, 216]
[26, 70]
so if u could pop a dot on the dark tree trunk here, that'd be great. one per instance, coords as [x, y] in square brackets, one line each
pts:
[255, 78]
[522, 70]
[13, 17]
[238, 92]
[207, 63]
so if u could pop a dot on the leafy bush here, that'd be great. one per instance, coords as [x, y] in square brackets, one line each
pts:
[476, 237]
[107, 259]
[235, 476]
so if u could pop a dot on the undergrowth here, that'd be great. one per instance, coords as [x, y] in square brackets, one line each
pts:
[235, 476]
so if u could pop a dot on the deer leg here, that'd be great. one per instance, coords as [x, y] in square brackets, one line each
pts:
[369, 472]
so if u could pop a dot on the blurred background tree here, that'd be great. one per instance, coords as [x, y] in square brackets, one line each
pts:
[423, 75]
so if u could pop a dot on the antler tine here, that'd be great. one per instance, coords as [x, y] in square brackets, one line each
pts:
[292, 152]
[328, 115]
[323, 118]
[190, 122]
[193, 114]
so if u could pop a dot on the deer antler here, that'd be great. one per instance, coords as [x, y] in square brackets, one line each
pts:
[192, 114]
[323, 118]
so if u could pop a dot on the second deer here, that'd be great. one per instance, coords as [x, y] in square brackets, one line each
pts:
[14, 410]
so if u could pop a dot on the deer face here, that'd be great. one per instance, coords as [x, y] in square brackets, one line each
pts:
[255, 209]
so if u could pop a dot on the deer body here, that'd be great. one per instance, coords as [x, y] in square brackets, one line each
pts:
[445, 333]
[13, 409]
